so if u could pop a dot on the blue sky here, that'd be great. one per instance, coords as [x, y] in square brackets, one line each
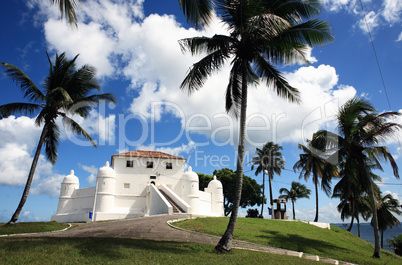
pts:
[133, 45]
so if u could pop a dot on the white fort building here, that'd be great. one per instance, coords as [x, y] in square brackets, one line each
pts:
[138, 183]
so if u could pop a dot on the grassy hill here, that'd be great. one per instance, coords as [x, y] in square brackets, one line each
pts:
[335, 243]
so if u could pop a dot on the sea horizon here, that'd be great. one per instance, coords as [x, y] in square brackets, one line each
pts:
[366, 232]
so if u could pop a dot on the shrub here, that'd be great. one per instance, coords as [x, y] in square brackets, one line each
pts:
[252, 213]
[396, 243]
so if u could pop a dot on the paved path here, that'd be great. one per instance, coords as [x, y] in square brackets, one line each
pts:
[157, 228]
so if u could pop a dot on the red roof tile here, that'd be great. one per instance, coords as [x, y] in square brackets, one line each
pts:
[150, 154]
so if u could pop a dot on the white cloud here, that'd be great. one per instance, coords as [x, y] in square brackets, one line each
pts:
[397, 137]
[372, 20]
[49, 185]
[91, 179]
[399, 37]
[392, 11]
[338, 5]
[25, 213]
[18, 147]
[180, 150]
[90, 41]
[393, 194]
[327, 214]
[146, 51]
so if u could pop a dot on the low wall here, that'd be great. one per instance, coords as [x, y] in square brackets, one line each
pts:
[179, 201]
[157, 203]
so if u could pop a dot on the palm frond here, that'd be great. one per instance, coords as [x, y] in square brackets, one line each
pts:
[72, 125]
[20, 107]
[30, 90]
[52, 141]
[200, 71]
[276, 80]
[198, 12]
[67, 9]
[83, 106]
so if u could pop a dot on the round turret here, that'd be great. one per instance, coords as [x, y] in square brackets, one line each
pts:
[190, 175]
[106, 183]
[191, 189]
[106, 171]
[71, 179]
[215, 184]
[216, 189]
[68, 186]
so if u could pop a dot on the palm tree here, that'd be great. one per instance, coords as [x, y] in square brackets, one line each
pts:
[297, 191]
[270, 161]
[262, 34]
[360, 131]
[385, 207]
[312, 162]
[65, 91]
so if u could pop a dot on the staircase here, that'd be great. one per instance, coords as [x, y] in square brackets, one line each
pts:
[176, 208]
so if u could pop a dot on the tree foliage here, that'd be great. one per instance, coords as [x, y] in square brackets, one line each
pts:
[251, 193]
[268, 160]
[297, 191]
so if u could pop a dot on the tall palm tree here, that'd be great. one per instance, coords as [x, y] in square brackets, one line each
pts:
[66, 90]
[297, 191]
[357, 145]
[312, 162]
[262, 34]
[270, 161]
[387, 205]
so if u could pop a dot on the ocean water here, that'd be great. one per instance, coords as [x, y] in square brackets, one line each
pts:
[366, 233]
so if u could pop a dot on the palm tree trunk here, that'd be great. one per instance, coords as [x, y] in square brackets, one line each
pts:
[263, 192]
[358, 226]
[270, 198]
[24, 197]
[382, 238]
[225, 243]
[376, 253]
[351, 224]
[316, 202]
[293, 207]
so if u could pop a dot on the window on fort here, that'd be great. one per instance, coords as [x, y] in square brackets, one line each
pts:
[150, 164]
[169, 165]
[126, 185]
[129, 163]
[152, 177]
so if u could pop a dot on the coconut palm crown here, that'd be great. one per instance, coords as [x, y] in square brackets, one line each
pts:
[297, 191]
[262, 35]
[312, 163]
[66, 91]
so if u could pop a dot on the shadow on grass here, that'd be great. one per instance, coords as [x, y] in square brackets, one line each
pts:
[298, 243]
[100, 248]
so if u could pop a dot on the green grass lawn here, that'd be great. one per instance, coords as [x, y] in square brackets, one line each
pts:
[126, 251]
[335, 243]
[30, 227]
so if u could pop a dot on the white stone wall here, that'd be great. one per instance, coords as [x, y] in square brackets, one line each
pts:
[124, 192]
